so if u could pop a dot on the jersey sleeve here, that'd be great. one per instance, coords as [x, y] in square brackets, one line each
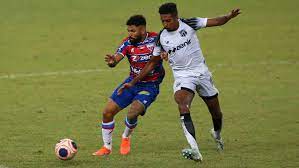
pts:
[157, 50]
[196, 22]
[122, 49]
[158, 47]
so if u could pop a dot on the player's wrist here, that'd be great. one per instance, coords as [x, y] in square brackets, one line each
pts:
[228, 16]
[133, 82]
[113, 62]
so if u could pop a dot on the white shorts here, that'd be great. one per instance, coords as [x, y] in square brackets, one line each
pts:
[202, 84]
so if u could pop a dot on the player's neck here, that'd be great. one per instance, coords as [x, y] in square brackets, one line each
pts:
[177, 25]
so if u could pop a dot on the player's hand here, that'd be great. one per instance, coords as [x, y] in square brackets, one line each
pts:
[234, 13]
[110, 59]
[123, 87]
[164, 55]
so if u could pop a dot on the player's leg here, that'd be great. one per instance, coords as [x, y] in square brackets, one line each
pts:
[131, 119]
[115, 104]
[144, 97]
[136, 109]
[209, 94]
[110, 110]
[184, 93]
[215, 111]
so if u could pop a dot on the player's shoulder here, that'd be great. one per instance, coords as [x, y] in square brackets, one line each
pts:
[162, 32]
[188, 20]
[125, 41]
[194, 22]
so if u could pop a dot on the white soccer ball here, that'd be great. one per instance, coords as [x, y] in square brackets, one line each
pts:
[66, 149]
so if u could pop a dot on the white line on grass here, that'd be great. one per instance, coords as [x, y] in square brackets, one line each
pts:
[61, 73]
[55, 73]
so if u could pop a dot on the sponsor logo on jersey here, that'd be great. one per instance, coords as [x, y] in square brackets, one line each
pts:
[180, 46]
[136, 58]
[183, 33]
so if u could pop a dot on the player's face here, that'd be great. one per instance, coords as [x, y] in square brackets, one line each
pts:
[135, 33]
[169, 21]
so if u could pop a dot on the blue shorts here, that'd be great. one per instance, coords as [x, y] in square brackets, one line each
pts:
[144, 93]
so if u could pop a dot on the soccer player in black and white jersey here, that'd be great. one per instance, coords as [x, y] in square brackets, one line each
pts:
[179, 44]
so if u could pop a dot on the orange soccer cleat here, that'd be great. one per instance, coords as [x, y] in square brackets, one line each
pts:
[125, 146]
[102, 152]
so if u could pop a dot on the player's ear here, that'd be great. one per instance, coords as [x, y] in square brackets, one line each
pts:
[142, 28]
[175, 15]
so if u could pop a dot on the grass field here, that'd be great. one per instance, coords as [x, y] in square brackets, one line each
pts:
[54, 84]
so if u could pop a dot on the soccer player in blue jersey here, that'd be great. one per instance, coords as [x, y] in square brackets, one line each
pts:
[137, 47]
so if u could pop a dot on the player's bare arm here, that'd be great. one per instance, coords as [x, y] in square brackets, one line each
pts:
[113, 60]
[164, 56]
[147, 69]
[221, 20]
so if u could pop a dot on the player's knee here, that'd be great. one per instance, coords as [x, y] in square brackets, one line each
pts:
[183, 108]
[108, 115]
[132, 115]
[136, 109]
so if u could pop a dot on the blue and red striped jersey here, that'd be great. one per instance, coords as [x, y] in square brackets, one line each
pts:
[139, 54]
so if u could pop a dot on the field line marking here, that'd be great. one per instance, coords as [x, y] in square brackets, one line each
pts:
[71, 72]
[55, 73]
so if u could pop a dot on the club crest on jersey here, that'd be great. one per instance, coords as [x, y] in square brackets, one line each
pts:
[183, 33]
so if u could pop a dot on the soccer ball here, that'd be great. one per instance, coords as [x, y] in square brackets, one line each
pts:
[66, 149]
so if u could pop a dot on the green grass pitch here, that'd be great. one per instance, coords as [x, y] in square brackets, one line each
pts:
[54, 84]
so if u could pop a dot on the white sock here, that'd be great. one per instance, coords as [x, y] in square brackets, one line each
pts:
[191, 140]
[107, 129]
[217, 134]
[127, 132]
[129, 127]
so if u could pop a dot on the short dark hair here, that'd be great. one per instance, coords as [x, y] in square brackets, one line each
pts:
[168, 8]
[136, 20]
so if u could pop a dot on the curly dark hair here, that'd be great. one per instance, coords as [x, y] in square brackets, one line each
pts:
[136, 20]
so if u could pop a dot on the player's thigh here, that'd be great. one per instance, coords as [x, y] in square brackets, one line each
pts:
[145, 96]
[111, 108]
[206, 87]
[184, 97]
[212, 103]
